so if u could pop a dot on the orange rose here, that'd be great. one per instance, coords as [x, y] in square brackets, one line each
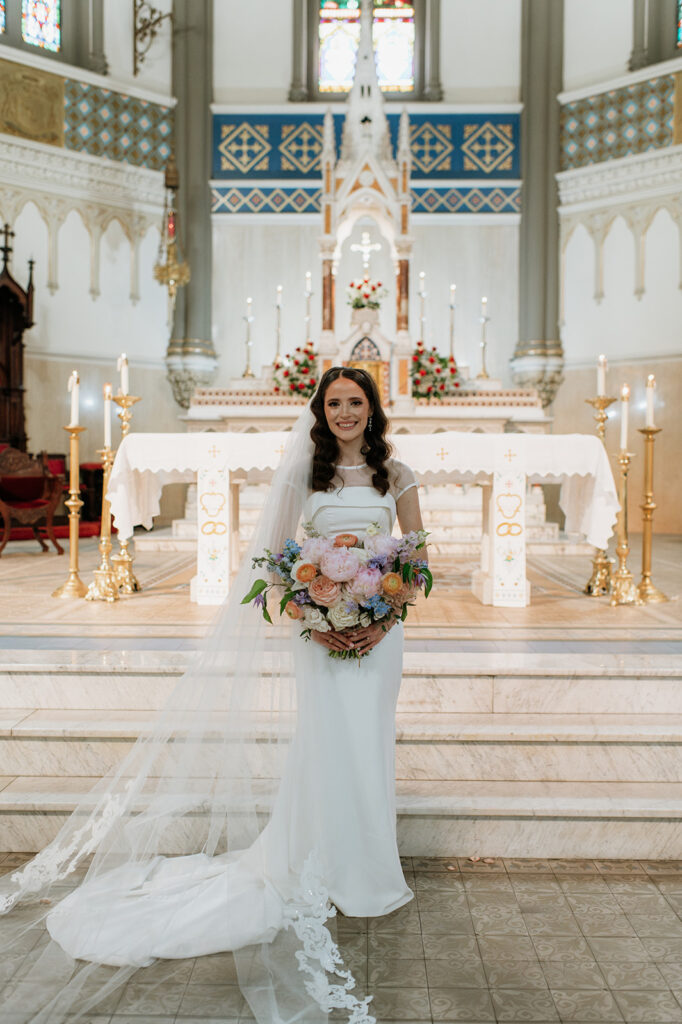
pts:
[324, 591]
[391, 583]
[293, 610]
[346, 540]
[306, 572]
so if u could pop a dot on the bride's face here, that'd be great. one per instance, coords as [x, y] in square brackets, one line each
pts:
[346, 407]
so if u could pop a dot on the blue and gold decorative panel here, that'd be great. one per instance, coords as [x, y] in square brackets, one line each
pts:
[439, 199]
[617, 123]
[251, 199]
[502, 199]
[251, 146]
[119, 127]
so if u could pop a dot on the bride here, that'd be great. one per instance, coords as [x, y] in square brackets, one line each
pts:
[272, 759]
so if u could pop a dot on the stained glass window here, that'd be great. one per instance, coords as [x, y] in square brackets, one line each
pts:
[41, 23]
[394, 44]
[2, 15]
[679, 24]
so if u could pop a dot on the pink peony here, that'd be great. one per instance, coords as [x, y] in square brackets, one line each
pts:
[340, 564]
[381, 546]
[324, 591]
[365, 584]
[313, 548]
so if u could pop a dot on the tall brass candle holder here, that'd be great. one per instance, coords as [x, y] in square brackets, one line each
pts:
[599, 582]
[623, 589]
[74, 586]
[123, 561]
[104, 586]
[648, 593]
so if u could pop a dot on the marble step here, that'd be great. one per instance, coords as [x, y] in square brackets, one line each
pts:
[447, 819]
[436, 746]
[463, 683]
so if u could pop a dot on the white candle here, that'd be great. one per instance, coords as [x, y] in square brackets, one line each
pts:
[484, 307]
[422, 282]
[601, 375]
[453, 289]
[624, 406]
[279, 295]
[308, 283]
[107, 415]
[249, 304]
[650, 393]
[122, 367]
[73, 386]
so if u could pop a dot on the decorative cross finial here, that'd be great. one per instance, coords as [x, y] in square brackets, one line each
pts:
[6, 249]
[366, 248]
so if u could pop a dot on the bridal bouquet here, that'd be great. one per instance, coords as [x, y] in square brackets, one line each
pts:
[341, 583]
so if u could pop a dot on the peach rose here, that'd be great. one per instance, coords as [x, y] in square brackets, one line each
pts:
[345, 540]
[324, 591]
[392, 583]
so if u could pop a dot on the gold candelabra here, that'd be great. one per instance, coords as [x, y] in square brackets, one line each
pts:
[104, 586]
[74, 586]
[648, 593]
[599, 582]
[123, 561]
[623, 589]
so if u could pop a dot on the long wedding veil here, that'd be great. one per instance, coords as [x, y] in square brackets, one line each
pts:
[202, 780]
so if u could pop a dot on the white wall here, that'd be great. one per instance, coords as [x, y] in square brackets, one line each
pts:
[597, 40]
[252, 51]
[622, 326]
[155, 71]
[481, 50]
[251, 259]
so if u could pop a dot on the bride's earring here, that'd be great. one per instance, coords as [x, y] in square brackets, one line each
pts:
[369, 424]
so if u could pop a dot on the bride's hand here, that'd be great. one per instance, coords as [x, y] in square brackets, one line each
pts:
[332, 640]
[364, 639]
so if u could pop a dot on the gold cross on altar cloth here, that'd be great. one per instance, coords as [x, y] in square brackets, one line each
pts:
[214, 451]
[509, 455]
[441, 454]
[279, 451]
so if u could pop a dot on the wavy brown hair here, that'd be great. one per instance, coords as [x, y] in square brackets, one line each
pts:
[376, 448]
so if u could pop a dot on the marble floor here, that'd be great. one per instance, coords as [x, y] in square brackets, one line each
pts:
[505, 940]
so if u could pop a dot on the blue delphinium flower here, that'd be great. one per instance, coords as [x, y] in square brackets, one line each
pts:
[377, 605]
[302, 597]
[376, 563]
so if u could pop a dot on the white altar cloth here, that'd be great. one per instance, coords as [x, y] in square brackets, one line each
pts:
[146, 462]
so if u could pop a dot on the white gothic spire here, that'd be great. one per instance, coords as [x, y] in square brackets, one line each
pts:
[365, 129]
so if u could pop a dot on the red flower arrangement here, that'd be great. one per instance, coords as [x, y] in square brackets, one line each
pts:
[296, 374]
[433, 376]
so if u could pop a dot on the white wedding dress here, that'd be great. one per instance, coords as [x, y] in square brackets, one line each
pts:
[336, 797]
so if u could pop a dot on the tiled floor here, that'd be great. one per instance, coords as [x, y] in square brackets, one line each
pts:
[515, 940]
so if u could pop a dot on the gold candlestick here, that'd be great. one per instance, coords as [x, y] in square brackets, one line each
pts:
[648, 593]
[123, 561]
[104, 586]
[74, 586]
[623, 589]
[599, 582]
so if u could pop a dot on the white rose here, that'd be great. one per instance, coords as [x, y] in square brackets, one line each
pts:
[314, 619]
[365, 619]
[363, 556]
[343, 614]
[373, 529]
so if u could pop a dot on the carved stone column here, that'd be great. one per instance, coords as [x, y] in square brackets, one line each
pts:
[191, 358]
[433, 89]
[538, 358]
[638, 56]
[661, 35]
[403, 296]
[328, 295]
[298, 90]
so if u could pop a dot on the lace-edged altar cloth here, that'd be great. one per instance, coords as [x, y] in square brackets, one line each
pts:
[578, 462]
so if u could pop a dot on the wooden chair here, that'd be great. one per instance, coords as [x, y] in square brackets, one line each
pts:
[29, 495]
